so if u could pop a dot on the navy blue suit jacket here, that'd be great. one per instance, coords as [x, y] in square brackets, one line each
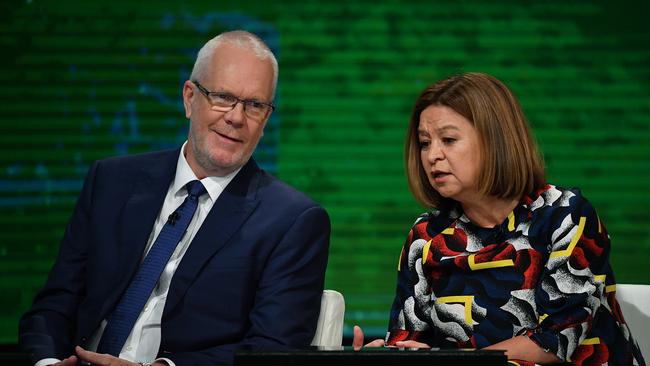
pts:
[251, 278]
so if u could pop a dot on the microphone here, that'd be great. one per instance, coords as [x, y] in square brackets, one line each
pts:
[173, 217]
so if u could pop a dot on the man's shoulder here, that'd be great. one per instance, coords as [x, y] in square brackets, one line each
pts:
[140, 159]
[274, 191]
[126, 170]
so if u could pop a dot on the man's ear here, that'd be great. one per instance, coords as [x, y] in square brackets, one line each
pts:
[188, 94]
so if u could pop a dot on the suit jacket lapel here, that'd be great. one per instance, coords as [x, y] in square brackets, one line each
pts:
[227, 215]
[140, 213]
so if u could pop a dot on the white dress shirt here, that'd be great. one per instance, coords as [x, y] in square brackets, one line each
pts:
[143, 342]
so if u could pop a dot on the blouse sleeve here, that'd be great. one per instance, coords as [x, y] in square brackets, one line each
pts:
[575, 277]
[407, 316]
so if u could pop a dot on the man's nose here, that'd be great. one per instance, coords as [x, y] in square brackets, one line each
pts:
[236, 115]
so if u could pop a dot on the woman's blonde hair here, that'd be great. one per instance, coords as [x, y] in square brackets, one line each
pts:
[512, 165]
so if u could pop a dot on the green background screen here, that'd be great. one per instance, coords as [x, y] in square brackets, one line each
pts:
[84, 80]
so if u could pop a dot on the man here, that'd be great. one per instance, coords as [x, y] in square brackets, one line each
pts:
[246, 267]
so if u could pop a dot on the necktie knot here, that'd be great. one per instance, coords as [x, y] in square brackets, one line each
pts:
[195, 189]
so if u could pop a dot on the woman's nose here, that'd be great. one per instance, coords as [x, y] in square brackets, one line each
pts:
[435, 152]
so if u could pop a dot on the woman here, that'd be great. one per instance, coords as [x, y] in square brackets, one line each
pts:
[504, 260]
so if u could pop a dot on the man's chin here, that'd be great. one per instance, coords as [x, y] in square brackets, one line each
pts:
[223, 166]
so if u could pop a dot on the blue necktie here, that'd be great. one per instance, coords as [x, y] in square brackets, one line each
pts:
[130, 305]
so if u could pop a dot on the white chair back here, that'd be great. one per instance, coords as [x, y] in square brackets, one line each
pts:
[635, 305]
[329, 331]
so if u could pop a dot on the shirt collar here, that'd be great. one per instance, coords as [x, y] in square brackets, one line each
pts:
[184, 174]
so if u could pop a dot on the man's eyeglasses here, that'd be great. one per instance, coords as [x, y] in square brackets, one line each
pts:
[226, 102]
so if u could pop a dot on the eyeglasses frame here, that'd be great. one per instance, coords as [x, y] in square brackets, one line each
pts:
[207, 93]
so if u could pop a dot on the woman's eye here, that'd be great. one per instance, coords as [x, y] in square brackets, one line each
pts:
[448, 140]
[424, 144]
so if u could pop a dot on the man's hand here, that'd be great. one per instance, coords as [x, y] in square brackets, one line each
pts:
[100, 359]
[357, 340]
[70, 361]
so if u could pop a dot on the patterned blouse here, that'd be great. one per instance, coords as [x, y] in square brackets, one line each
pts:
[543, 273]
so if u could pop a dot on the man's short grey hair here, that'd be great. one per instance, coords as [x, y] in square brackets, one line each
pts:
[241, 39]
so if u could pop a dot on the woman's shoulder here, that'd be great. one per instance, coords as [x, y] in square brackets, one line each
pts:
[555, 210]
[431, 223]
[427, 216]
[555, 197]
[437, 214]
[423, 220]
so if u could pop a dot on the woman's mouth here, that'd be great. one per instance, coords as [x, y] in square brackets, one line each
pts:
[440, 176]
